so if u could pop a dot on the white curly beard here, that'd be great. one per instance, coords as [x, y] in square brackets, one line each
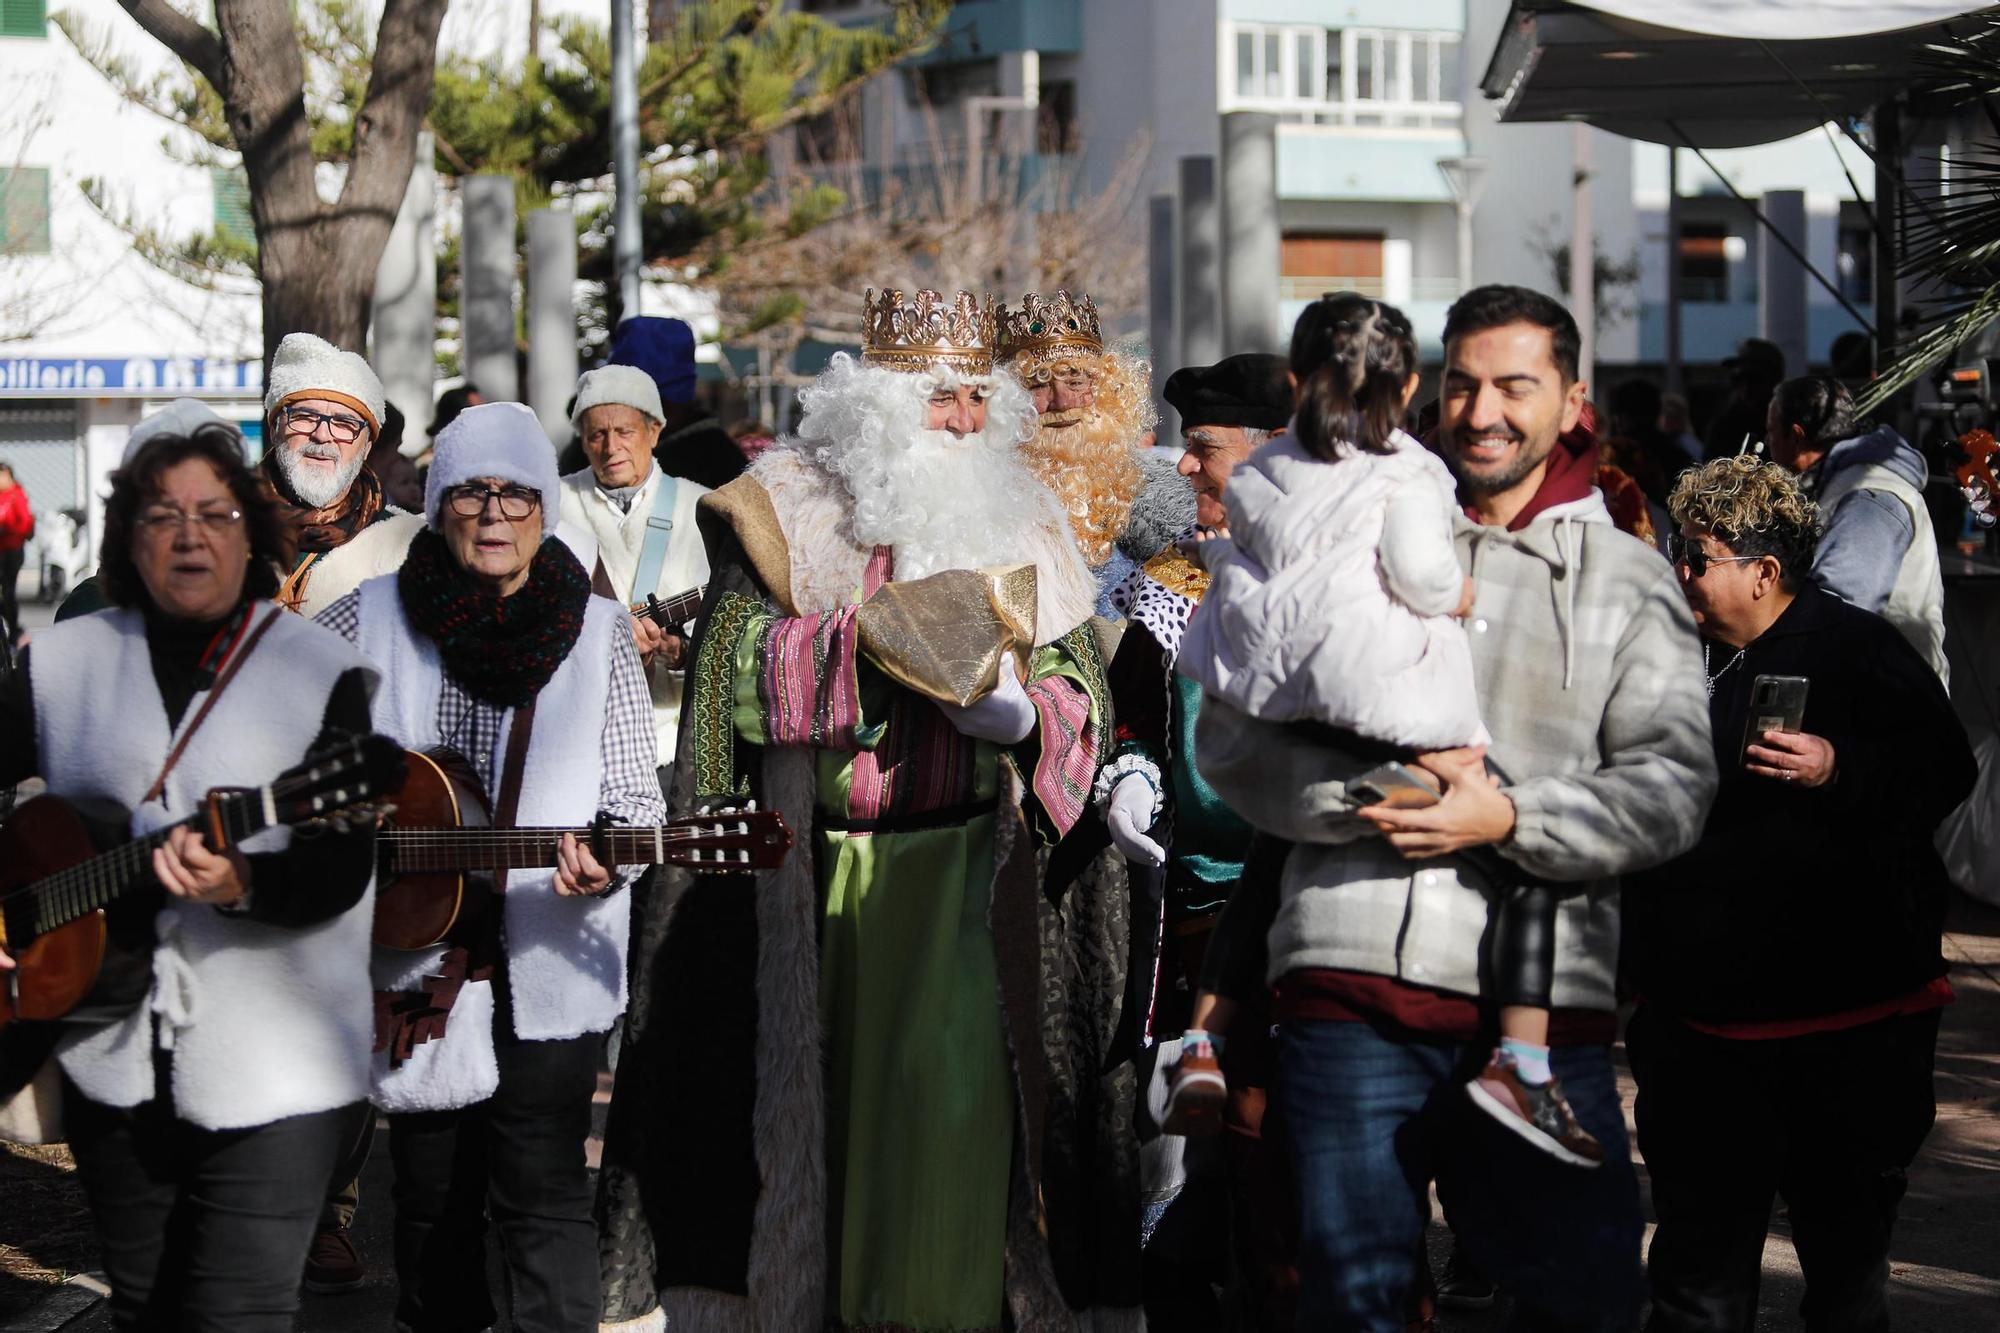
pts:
[937, 501]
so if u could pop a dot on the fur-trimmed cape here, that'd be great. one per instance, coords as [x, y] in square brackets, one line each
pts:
[712, 1197]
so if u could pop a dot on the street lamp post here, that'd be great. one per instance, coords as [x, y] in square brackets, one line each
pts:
[1465, 177]
[625, 158]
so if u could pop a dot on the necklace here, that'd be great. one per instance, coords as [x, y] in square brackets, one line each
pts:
[1709, 678]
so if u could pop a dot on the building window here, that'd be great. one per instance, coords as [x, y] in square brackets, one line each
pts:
[1704, 261]
[1313, 263]
[24, 18]
[231, 186]
[1375, 77]
[24, 210]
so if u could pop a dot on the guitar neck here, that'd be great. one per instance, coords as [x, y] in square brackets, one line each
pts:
[89, 886]
[419, 851]
[671, 612]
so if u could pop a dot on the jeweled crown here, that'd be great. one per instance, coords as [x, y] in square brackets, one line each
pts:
[913, 334]
[1046, 329]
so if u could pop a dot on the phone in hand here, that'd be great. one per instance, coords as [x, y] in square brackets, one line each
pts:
[1777, 703]
[1396, 785]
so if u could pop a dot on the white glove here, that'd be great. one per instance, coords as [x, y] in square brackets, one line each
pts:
[1004, 717]
[1128, 814]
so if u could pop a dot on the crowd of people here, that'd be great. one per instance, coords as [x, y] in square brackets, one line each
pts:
[1199, 850]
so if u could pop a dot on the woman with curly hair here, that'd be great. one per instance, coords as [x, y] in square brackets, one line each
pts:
[206, 1121]
[1789, 965]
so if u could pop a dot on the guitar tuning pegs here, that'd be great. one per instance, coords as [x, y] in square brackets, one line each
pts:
[750, 807]
[703, 810]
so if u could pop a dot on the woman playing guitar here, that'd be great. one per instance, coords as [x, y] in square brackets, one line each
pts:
[206, 1120]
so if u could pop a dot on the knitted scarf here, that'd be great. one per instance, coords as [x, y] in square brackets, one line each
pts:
[314, 530]
[499, 649]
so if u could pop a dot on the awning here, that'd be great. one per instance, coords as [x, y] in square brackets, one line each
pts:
[1726, 74]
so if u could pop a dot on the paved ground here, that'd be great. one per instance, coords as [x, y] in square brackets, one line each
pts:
[1946, 1273]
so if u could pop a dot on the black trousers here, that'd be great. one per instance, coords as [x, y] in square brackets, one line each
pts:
[517, 1157]
[203, 1229]
[1829, 1121]
[10, 571]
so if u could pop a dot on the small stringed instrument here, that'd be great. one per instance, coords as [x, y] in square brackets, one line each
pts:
[78, 921]
[670, 612]
[441, 834]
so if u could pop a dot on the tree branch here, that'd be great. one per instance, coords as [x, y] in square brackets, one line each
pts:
[196, 45]
[399, 88]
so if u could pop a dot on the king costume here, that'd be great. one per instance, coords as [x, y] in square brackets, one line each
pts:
[833, 1103]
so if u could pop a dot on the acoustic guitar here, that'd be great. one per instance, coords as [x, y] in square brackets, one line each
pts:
[78, 921]
[440, 837]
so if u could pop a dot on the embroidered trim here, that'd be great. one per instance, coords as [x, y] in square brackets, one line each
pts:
[714, 732]
[1129, 762]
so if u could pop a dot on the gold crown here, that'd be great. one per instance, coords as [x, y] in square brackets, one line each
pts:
[913, 335]
[1048, 329]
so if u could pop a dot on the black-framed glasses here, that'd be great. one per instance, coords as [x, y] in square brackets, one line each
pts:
[516, 502]
[159, 520]
[1684, 552]
[340, 428]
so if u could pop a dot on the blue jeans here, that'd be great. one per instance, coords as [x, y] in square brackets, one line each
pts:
[1373, 1117]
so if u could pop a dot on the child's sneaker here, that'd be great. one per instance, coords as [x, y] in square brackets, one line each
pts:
[1196, 1096]
[1538, 1112]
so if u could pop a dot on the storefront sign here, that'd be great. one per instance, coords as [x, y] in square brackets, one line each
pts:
[91, 376]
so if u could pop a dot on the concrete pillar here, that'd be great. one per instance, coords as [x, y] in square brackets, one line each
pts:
[552, 318]
[1250, 241]
[1162, 329]
[1201, 265]
[403, 333]
[1781, 278]
[486, 288]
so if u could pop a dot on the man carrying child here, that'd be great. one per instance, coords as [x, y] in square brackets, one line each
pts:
[1587, 673]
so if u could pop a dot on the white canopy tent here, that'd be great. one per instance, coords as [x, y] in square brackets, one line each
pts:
[1716, 74]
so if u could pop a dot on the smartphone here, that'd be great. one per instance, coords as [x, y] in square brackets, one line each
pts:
[1777, 703]
[1396, 785]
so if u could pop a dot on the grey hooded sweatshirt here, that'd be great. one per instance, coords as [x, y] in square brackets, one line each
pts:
[1590, 679]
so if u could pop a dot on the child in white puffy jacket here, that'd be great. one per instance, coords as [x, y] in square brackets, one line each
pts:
[1334, 604]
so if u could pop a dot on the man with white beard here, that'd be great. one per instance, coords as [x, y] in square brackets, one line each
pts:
[833, 1088]
[323, 410]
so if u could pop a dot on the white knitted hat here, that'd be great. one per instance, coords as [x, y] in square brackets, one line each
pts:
[624, 385]
[504, 440]
[183, 416]
[311, 367]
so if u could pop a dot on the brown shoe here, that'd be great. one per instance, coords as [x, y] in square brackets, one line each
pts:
[1196, 1097]
[333, 1265]
[1538, 1112]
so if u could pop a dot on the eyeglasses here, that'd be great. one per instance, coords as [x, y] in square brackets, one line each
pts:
[516, 502]
[340, 429]
[163, 519]
[1683, 552]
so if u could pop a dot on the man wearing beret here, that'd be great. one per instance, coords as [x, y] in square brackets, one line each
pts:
[633, 525]
[1227, 411]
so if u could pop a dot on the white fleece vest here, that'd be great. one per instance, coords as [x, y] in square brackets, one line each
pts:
[1916, 601]
[265, 1022]
[565, 956]
[597, 529]
[379, 548]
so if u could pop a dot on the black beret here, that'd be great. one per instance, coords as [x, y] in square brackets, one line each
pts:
[1248, 389]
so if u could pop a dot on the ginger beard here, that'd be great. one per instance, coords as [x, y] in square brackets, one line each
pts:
[1088, 455]
[938, 501]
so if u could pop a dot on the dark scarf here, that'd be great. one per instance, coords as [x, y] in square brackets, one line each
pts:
[316, 530]
[499, 649]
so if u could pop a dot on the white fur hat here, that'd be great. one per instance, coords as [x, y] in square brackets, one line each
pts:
[628, 386]
[311, 367]
[183, 416]
[504, 440]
